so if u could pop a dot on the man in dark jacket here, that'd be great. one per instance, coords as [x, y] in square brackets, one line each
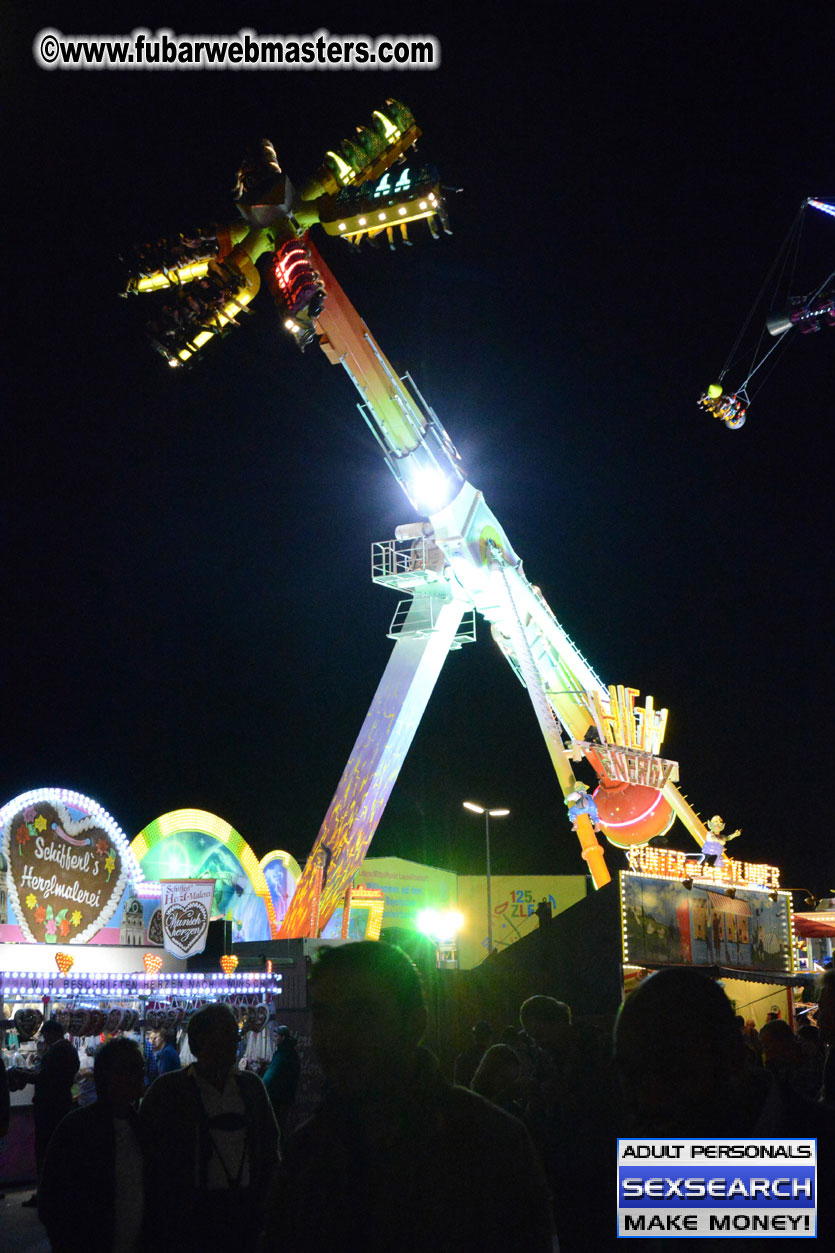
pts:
[95, 1164]
[53, 1082]
[213, 1143]
[397, 1158]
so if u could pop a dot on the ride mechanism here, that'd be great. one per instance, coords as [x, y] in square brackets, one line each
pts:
[454, 563]
[805, 315]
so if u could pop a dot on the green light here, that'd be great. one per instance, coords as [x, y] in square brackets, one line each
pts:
[439, 924]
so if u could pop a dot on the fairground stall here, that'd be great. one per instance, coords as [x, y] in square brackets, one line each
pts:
[732, 919]
[87, 937]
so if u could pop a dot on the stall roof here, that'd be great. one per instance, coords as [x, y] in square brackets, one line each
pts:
[816, 926]
[748, 976]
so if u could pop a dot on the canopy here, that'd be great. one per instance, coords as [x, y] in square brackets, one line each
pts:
[815, 926]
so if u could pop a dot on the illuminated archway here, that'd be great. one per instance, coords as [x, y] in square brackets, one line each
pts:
[175, 859]
[282, 872]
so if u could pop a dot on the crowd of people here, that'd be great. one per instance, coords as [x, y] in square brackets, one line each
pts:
[518, 1152]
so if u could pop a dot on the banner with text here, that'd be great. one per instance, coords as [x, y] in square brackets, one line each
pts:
[186, 906]
[717, 1188]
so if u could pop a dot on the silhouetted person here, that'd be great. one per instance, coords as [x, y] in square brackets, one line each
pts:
[497, 1079]
[468, 1061]
[809, 1078]
[5, 1101]
[166, 1056]
[781, 1051]
[281, 1078]
[94, 1170]
[213, 1142]
[396, 1160]
[53, 1082]
[543, 912]
[826, 1026]
[571, 1113]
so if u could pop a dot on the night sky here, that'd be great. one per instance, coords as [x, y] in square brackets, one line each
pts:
[189, 614]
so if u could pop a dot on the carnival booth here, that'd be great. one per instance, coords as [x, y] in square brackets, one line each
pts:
[88, 937]
[732, 918]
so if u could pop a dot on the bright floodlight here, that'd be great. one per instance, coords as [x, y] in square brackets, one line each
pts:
[499, 813]
[477, 809]
[440, 924]
[430, 489]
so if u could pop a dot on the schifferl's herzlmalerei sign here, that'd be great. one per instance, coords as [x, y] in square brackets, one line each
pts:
[66, 873]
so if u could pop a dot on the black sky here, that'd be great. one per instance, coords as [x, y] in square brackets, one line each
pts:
[190, 618]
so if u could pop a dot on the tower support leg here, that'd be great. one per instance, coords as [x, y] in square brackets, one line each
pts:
[376, 758]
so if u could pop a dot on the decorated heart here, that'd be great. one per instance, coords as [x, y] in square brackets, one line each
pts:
[96, 1024]
[66, 873]
[113, 1021]
[184, 923]
[27, 1022]
[130, 1018]
[64, 962]
[259, 1016]
[155, 928]
[79, 1022]
[152, 963]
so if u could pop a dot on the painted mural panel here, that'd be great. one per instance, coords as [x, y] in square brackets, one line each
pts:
[664, 923]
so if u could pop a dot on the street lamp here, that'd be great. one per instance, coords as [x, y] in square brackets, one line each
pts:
[488, 814]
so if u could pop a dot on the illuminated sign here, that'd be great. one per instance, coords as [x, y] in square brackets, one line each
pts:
[622, 722]
[717, 1188]
[629, 738]
[68, 865]
[671, 863]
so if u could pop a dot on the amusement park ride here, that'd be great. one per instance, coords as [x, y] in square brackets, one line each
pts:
[787, 316]
[455, 562]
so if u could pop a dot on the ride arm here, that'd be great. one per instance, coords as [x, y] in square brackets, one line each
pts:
[482, 562]
[415, 445]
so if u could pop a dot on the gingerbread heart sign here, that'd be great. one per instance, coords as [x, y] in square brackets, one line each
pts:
[186, 906]
[66, 871]
[27, 1022]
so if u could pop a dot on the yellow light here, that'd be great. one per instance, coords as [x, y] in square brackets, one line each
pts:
[184, 274]
[381, 216]
[424, 204]
[390, 130]
[402, 212]
[342, 226]
[361, 221]
[344, 172]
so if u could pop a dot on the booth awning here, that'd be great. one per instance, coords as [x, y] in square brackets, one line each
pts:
[815, 926]
[731, 972]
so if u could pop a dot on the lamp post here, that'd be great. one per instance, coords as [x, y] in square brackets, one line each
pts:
[488, 814]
